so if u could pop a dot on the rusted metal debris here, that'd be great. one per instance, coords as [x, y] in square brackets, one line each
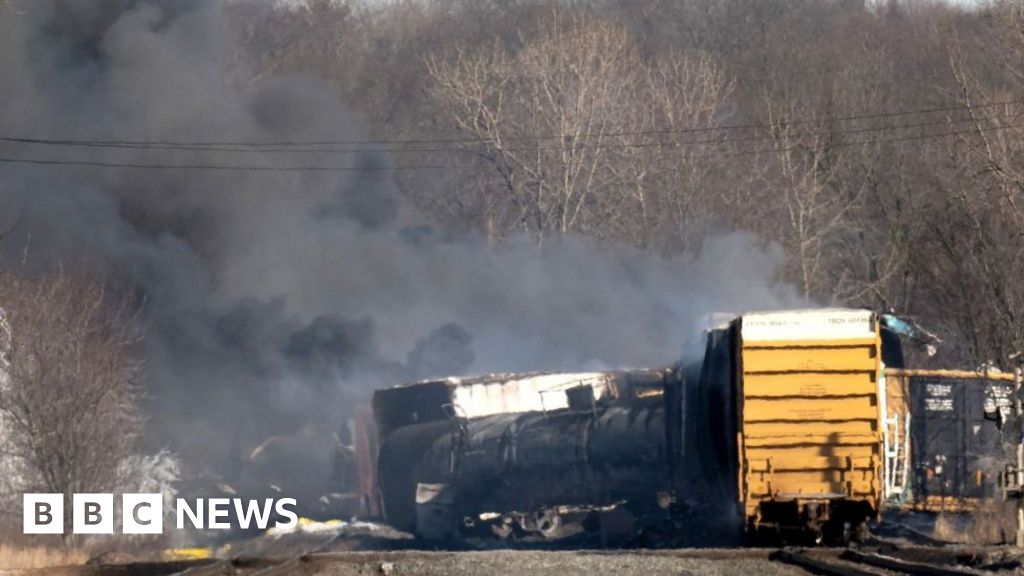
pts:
[819, 565]
[917, 568]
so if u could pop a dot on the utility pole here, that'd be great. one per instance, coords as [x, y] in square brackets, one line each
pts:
[1019, 472]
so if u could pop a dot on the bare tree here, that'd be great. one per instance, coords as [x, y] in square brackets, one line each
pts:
[70, 404]
[569, 85]
[672, 175]
[606, 162]
[978, 246]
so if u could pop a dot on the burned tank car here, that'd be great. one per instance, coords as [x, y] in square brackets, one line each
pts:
[527, 453]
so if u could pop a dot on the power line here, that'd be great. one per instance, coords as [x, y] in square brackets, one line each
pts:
[887, 140]
[238, 144]
[238, 168]
[769, 137]
[805, 121]
[101, 164]
[571, 146]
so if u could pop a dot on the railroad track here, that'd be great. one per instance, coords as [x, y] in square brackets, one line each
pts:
[850, 562]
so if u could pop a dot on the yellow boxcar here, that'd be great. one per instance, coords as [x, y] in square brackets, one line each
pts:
[809, 421]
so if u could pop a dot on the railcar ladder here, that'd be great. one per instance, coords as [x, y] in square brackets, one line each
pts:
[897, 454]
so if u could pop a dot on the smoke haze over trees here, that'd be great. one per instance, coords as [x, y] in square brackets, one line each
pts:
[274, 300]
[524, 185]
[877, 143]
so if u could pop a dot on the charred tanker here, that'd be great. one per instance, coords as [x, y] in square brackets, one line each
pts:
[521, 453]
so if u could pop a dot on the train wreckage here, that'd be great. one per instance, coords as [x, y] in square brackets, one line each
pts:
[800, 425]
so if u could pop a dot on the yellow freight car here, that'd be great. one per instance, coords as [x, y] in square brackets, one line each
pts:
[809, 422]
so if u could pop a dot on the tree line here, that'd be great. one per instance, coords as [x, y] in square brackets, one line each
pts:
[875, 142]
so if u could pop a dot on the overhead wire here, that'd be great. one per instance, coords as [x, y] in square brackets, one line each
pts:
[567, 146]
[156, 145]
[101, 164]
[230, 145]
[867, 142]
[225, 167]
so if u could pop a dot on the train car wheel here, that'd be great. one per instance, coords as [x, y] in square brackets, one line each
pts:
[503, 530]
[550, 525]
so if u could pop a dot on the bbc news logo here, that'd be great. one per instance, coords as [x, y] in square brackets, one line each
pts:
[144, 513]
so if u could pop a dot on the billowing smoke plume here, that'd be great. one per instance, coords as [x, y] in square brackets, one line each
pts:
[275, 299]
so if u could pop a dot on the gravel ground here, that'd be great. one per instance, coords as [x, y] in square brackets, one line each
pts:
[491, 562]
[375, 550]
[539, 563]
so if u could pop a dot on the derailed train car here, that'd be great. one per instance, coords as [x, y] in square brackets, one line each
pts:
[950, 442]
[809, 421]
[517, 453]
[949, 437]
[777, 430]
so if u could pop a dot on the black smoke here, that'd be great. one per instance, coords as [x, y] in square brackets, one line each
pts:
[274, 299]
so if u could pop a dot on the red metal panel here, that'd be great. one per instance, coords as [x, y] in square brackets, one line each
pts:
[365, 436]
